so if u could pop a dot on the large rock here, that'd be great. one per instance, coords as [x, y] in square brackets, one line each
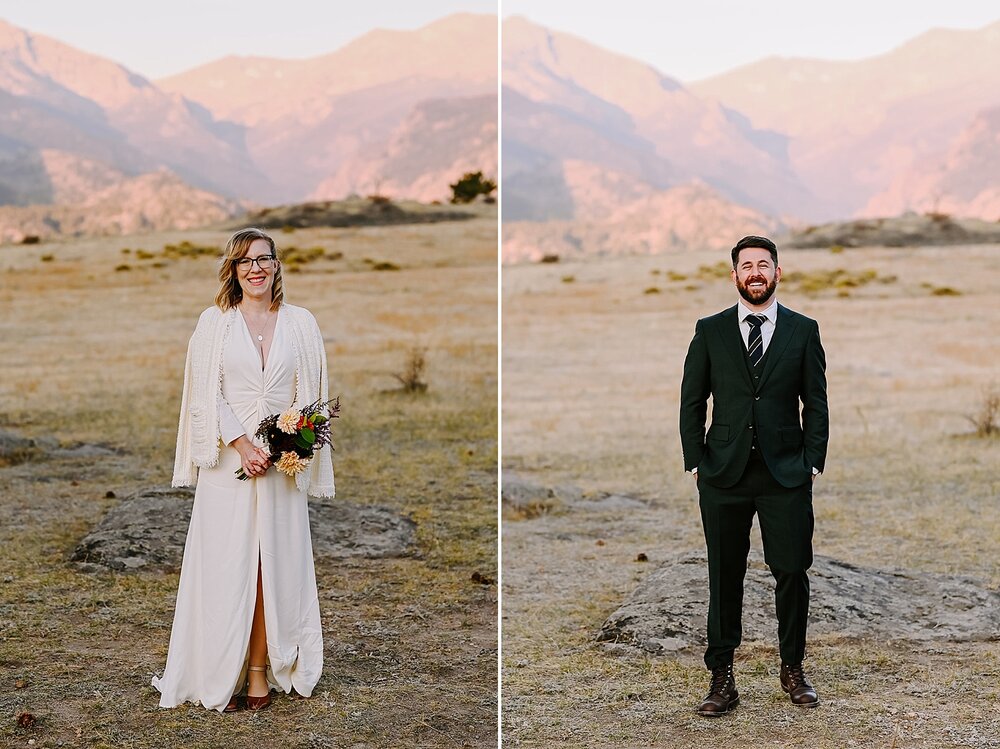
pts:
[523, 498]
[668, 610]
[147, 531]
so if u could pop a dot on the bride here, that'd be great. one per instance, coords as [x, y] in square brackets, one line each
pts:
[247, 614]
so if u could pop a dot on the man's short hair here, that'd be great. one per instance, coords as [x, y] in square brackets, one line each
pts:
[752, 241]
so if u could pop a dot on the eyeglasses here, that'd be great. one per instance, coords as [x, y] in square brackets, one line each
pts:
[264, 262]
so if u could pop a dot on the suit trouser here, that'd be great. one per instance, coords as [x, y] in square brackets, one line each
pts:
[786, 525]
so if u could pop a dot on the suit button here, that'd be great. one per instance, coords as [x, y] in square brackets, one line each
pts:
[756, 397]
[750, 426]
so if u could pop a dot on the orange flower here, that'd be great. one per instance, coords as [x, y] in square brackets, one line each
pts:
[290, 464]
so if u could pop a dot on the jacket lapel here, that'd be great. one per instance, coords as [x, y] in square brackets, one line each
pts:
[732, 340]
[784, 331]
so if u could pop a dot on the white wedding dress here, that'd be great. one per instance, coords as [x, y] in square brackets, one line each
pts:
[232, 520]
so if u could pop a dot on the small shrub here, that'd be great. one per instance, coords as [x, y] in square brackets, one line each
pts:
[292, 256]
[568, 279]
[549, 259]
[987, 419]
[188, 249]
[837, 249]
[126, 251]
[122, 268]
[144, 255]
[651, 290]
[721, 269]
[379, 199]
[674, 276]
[945, 291]
[31, 239]
[287, 229]
[412, 376]
[48, 258]
[471, 186]
[385, 265]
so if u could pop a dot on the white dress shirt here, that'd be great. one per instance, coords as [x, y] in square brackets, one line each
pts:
[766, 328]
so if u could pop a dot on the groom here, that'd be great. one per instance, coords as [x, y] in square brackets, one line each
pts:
[758, 361]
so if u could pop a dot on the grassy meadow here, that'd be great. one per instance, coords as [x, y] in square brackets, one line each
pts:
[592, 360]
[94, 333]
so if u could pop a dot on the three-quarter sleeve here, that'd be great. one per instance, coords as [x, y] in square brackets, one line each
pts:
[230, 427]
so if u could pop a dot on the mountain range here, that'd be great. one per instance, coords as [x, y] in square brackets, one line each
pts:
[399, 112]
[782, 142]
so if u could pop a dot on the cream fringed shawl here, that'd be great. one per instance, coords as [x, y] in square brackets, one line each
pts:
[198, 434]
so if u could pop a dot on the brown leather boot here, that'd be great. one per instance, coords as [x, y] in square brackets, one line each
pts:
[795, 683]
[722, 695]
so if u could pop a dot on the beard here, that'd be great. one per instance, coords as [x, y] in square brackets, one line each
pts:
[757, 296]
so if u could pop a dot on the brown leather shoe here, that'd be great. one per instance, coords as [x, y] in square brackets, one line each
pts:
[722, 695]
[795, 683]
[233, 706]
[258, 703]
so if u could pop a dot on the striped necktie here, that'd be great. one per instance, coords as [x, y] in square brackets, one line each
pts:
[755, 343]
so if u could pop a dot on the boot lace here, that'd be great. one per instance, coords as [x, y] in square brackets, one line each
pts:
[720, 678]
[796, 676]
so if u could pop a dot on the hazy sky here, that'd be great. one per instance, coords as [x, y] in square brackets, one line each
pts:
[695, 39]
[156, 38]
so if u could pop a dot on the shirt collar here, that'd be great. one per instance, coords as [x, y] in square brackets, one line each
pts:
[771, 313]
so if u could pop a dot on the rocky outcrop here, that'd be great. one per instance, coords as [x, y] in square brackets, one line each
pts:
[908, 230]
[668, 610]
[147, 532]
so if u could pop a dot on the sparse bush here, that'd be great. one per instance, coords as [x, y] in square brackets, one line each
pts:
[945, 291]
[292, 257]
[385, 265]
[837, 249]
[123, 267]
[674, 276]
[377, 199]
[31, 239]
[987, 419]
[651, 290]
[144, 255]
[126, 251]
[721, 269]
[48, 258]
[188, 249]
[568, 279]
[549, 259]
[412, 376]
[471, 186]
[839, 279]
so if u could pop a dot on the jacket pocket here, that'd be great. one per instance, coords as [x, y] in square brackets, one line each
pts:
[719, 432]
[790, 435]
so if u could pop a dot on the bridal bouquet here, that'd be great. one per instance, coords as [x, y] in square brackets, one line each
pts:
[292, 436]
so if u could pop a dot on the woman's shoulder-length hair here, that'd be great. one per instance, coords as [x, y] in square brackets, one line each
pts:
[230, 292]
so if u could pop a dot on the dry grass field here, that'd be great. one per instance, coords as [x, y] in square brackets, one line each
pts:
[92, 350]
[592, 358]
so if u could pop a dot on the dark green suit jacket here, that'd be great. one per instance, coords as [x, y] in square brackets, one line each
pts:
[791, 440]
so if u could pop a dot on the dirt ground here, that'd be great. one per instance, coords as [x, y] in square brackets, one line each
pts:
[92, 342]
[592, 358]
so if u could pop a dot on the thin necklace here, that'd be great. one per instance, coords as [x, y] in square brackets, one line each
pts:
[260, 335]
